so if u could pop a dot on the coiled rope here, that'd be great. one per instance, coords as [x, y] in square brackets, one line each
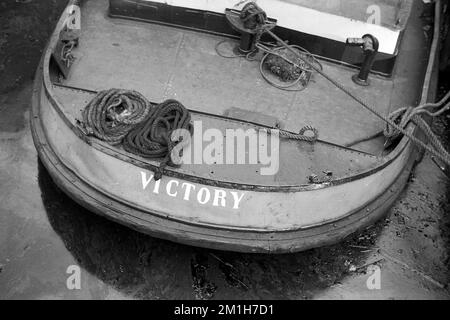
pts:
[126, 117]
[270, 49]
[111, 114]
[302, 80]
[153, 137]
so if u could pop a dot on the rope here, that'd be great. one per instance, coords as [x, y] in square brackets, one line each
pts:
[66, 53]
[252, 16]
[305, 75]
[403, 116]
[111, 114]
[406, 114]
[437, 149]
[233, 55]
[440, 152]
[152, 138]
[300, 136]
[255, 19]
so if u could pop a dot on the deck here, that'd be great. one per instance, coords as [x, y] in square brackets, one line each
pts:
[164, 62]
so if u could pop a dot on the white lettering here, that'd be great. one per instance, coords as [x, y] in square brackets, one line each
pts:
[175, 188]
[187, 192]
[219, 195]
[203, 196]
[237, 199]
[169, 187]
[145, 181]
[156, 187]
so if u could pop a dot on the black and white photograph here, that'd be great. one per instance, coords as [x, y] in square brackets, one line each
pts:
[224, 156]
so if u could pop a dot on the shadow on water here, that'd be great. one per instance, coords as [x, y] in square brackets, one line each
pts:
[145, 267]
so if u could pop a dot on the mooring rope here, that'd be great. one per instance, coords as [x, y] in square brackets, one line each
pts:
[403, 115]
[153, 137]
[111, 114]
[437, 148]
[125, 116]
[252, 16]
[440, 152]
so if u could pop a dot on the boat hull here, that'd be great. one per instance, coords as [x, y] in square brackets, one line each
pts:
[191, 233]
[263, 221]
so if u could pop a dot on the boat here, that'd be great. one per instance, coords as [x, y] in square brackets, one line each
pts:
[329, 174]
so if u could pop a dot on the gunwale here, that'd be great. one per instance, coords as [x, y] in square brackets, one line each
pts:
[104, 147]
[217, 236]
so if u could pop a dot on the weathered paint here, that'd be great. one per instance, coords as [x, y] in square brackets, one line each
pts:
[350, 201]
[259, 210]
[42, 231]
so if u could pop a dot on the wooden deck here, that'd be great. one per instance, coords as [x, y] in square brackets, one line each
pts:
[164, 62]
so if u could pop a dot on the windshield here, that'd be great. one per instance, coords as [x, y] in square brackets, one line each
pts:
[387, 13]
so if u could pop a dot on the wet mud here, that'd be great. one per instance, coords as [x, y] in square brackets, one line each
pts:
[43, 232]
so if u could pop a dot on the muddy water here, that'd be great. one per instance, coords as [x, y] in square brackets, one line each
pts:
[43, 232]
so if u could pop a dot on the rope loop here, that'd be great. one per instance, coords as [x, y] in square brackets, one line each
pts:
[301, 134]
[311, 129]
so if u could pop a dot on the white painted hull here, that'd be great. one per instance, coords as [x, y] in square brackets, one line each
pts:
[200, 214]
